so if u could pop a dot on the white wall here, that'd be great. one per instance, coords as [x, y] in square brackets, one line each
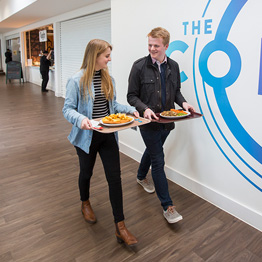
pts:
[34, 76]
[210, 156]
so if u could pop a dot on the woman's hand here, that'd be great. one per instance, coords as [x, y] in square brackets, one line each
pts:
[136, 114]
[86, 124]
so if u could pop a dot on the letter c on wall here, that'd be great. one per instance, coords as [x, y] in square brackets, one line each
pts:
[178, 46]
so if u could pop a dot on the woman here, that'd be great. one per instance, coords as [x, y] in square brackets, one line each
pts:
[91, 94]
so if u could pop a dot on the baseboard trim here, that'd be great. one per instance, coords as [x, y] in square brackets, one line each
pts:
[212, 196]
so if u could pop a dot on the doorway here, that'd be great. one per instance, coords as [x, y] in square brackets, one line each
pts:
[14, 45]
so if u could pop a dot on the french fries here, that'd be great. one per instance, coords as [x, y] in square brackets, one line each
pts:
[116, 119]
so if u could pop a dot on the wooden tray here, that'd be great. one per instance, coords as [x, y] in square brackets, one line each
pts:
[138, 121]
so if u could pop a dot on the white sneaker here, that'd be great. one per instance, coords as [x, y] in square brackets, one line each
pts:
[147, 185]
[171, 215]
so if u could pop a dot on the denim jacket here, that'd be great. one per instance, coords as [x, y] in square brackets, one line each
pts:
[76, 109]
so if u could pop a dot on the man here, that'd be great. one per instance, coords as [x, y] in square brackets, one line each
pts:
[154, 86]
[8, 56]
[44, 69]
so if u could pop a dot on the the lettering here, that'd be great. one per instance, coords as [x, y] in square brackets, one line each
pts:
[198, 27]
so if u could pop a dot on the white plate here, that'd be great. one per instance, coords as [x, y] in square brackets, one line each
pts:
[115, 125]
[175, 117]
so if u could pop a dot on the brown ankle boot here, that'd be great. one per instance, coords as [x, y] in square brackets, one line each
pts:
[123, 235]
[88, 212]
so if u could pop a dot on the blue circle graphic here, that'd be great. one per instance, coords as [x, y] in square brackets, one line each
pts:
[235, 61]
[219, 84]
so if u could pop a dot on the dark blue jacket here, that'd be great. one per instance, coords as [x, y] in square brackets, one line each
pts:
[144, 88]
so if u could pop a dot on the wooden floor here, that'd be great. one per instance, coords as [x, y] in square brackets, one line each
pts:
[40, 218]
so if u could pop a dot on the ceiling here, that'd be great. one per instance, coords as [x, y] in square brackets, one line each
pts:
[41, 10]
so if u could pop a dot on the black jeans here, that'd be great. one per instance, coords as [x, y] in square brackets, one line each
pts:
[106, 146]
[45, 77]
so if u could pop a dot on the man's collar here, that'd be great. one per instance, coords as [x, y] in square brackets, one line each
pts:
[155, 61]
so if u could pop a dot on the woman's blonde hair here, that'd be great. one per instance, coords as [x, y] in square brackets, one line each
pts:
[160, 32]
[93, 50]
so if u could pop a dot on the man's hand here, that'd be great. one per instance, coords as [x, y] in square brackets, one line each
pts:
[188, 107]
[149, 114]
[49, 55]
[86, 124]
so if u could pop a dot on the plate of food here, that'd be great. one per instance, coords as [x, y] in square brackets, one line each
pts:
[115, 120]
[174, 113]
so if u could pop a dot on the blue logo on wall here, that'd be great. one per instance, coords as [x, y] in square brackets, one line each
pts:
[220, 84]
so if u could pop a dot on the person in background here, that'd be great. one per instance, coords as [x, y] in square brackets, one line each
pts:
[90, 93]
[154, 86]
[8, 56]
[44, 69]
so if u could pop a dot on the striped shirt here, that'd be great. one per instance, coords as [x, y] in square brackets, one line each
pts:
[100, 107]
